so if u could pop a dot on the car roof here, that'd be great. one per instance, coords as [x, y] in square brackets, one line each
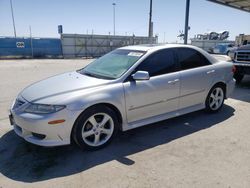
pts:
[147, 47]
[155, 47]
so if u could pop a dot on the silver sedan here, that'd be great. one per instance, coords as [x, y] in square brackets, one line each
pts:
[127, 88]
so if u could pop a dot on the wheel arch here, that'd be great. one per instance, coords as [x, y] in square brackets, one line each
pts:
[109, 105]
[223, 85]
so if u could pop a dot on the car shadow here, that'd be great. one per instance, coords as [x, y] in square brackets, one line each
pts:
[242, 90]
[25, 162]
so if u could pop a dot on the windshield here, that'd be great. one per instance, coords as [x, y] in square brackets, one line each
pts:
[113, 64]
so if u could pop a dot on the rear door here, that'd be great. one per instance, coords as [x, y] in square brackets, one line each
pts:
[196, 77]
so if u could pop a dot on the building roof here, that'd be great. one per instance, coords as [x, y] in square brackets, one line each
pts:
[243, 5]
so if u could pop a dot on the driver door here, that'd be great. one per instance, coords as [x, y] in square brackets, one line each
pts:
[158, 95]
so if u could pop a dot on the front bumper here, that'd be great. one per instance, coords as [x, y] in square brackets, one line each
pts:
[35, 129]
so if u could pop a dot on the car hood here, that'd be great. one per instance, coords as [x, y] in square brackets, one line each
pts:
[60, 84]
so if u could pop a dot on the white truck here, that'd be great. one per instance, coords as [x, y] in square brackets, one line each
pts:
[241, 60]
[241, 57]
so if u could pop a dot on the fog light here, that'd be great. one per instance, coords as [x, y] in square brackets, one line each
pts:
[39, 136]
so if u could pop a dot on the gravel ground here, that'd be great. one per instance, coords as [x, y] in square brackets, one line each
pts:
[195, 150]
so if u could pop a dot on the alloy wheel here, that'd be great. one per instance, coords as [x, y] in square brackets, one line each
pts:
[216, 98]
[97, 129]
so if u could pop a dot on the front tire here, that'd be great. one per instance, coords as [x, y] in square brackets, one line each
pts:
[95, 128]
[215, 99]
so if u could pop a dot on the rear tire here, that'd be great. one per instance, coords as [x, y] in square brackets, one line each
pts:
[215, 99]
[95, 128]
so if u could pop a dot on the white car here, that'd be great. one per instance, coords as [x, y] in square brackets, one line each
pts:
[127, 88]
[222, 48]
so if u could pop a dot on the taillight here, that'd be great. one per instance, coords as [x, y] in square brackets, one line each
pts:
[233, 69]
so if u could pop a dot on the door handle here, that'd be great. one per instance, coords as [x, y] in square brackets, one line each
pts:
[173, 81]
[211, 71]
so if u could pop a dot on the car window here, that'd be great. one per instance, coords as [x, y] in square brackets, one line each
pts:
[161, 62]
[189, 58]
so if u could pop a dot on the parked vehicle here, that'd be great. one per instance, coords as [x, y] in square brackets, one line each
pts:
[222, 49]
[126, 88]
[241, 60]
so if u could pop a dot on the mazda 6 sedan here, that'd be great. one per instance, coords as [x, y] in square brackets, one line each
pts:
[127, 88]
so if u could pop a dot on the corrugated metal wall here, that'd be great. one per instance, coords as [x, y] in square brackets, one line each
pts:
[24, 47]
[77, 45]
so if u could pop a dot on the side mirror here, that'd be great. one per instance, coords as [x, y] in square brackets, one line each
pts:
[141, 75]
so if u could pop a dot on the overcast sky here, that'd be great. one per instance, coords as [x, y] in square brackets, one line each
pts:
[82, 16]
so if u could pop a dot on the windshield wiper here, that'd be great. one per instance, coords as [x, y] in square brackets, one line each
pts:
[94, 75]
[90, 74]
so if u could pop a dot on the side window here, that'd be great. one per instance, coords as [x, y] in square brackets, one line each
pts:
[189, 58]
[161, 62]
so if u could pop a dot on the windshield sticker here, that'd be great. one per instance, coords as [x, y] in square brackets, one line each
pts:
[137, 54]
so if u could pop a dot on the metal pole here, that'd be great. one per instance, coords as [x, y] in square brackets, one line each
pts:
[186, 21]
[114, 16]
[31, 44]
[150, 21]
[13, 20]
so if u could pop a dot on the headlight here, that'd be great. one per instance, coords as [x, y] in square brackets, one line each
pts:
[43, 108]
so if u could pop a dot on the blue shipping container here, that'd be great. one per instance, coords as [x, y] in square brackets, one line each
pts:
[23, 47]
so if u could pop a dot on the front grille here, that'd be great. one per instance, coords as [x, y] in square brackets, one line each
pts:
[243, 56]
[18, 103]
